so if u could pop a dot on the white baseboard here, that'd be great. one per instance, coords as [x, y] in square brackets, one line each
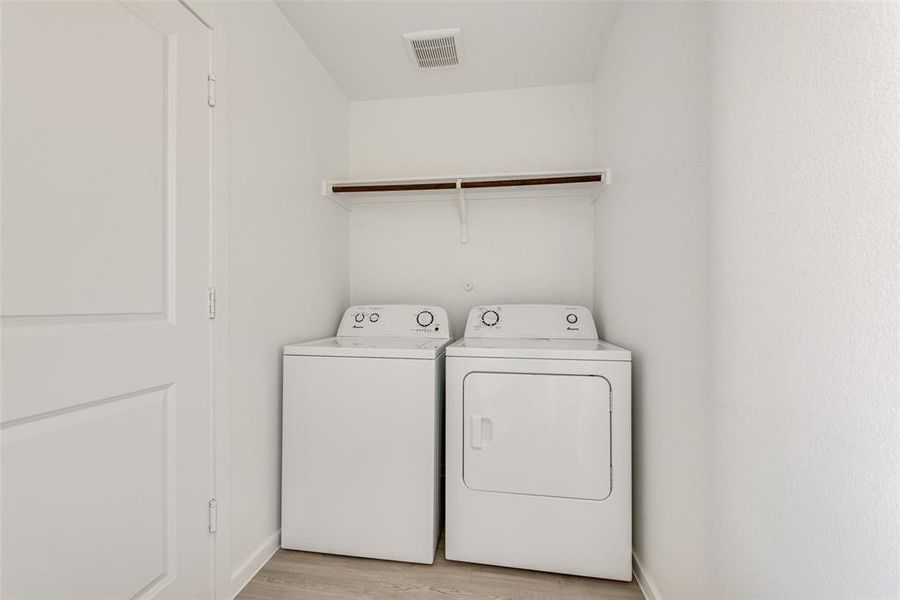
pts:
[644, 581]
[242, 575]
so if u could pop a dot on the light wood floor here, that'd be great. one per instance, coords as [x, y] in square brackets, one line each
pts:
[309, 576]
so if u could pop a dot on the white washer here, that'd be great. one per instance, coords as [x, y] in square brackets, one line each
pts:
[363, 415]
[539, 443]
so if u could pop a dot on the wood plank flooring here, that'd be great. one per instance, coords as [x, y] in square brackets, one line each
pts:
[309, 576]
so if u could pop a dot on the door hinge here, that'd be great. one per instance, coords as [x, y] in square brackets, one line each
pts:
[211, 302]
[213, 516]
[211, 91]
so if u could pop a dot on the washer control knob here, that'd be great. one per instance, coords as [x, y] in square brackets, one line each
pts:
[424, 318]
[359, 317]
[374, 317]
[490, 318]
[572, 318]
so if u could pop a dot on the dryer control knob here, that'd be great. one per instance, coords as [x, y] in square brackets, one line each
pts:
[490, 318]
[424, 318]
[359, 317]
[374, 317]
[572, 318]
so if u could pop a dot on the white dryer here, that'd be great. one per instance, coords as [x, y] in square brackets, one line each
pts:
[539, 443]
[362, 437]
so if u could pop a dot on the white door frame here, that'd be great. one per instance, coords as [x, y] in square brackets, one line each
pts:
[219, 281]
[221, 341]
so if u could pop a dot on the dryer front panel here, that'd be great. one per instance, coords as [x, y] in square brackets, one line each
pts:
[537, 434]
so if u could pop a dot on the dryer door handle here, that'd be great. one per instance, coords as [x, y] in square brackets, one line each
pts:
[476, 432]
[481, 432]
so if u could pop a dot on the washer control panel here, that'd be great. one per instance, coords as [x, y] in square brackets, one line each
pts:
[395, 320]
[535, 321]
[425, 318]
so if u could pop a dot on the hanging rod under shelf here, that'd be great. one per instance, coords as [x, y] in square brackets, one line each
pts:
[393, 187]
[466, 183]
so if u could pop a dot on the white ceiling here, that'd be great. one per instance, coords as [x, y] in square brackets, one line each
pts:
[509, 44]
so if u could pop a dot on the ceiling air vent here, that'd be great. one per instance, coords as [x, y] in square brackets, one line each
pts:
[439, 48]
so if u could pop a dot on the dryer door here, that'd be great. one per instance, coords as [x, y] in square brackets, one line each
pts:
[537, 434]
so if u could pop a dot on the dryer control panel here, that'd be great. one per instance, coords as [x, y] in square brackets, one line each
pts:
[395, 320]
[532, 321]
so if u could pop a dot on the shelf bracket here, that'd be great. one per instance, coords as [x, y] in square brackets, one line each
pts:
[463, 214]
[605, 183]
[328, 193]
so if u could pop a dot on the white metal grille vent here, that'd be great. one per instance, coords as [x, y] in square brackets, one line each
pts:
[430, 49]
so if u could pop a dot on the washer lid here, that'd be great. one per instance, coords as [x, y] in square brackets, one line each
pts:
[370, 347]
[537, 348]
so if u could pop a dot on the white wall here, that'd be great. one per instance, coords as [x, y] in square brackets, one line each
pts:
[523, 247]
[288, 248]
[806, 263]
[756, 200]
[652, 288]
[530, 129]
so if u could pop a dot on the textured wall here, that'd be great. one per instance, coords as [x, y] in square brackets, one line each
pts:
[748, 254]
[805, 167]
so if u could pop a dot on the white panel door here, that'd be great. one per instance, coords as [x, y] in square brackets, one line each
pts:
[106, 400]
[537, 434]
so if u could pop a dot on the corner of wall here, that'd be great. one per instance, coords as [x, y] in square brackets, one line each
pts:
[244, 572]
[644, 580]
